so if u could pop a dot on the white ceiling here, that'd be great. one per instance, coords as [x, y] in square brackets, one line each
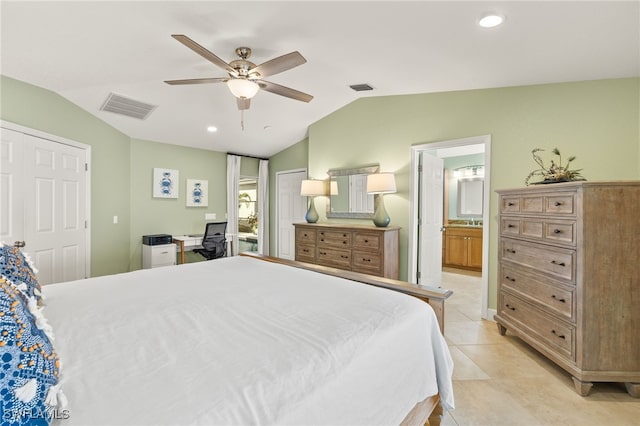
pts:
[85, 50]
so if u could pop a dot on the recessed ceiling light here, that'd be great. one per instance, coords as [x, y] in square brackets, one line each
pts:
[491, 20]
[212, 129]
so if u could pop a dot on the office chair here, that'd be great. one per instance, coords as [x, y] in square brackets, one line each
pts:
[214, 242]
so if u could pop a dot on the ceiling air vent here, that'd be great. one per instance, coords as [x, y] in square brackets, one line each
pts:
[126, 106]
[361, 87]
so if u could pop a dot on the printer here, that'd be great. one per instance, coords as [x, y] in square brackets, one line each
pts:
[156, 239]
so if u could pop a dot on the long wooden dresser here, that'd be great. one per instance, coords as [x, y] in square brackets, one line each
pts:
[358, 248]
[569, 280]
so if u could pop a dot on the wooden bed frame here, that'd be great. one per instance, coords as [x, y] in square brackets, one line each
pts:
[428, 412]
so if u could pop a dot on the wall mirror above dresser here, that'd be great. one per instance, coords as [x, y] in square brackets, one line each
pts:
[348, 193]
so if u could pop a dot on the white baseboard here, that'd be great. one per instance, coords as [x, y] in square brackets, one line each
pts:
[490, 314]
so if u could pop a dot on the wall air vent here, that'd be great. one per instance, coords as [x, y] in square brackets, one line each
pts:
[126, 106]
[361, 87]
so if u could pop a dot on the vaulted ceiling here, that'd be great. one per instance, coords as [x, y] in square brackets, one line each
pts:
[86, 50]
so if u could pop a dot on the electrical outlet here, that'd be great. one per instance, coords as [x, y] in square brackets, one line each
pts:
[115, 220]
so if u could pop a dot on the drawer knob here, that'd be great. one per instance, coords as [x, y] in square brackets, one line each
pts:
[511, 251]
[553, 296]
[321, 239]
[510, 204]
[555, 333]
[513, 280]
[343, 256]
[323, 253]
[510, 307]
[344, 242]
[556, 231]
[366, 241]
[557, 203]
[558, 263]
[366, 260]
[305, 250]
[511, 225]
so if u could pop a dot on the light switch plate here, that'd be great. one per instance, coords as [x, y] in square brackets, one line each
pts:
[209, 216]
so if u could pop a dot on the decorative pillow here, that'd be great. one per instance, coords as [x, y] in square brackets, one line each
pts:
[17, 267]
[29, 366]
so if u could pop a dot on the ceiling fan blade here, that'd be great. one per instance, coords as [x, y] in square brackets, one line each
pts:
[284, 91]
[205, 53]
[196, 81]
[279, 64]
[243, 103]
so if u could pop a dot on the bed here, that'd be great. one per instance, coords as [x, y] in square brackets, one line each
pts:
[247, 340]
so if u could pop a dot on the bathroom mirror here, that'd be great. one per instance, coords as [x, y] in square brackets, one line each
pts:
[349, 198]
[470, 196]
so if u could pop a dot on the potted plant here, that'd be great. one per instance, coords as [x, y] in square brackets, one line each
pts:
[556, 172]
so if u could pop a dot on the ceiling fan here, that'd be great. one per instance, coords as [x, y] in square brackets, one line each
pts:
[245, 77]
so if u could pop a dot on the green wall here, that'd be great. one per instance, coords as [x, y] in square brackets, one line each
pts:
[597, 121]
[171, 216]
[43, 110]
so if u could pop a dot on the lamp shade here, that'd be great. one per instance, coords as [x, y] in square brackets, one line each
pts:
[311, 188]
[243, 88]
[381, 183]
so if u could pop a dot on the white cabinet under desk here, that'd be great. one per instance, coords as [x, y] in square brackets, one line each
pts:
[158, 255]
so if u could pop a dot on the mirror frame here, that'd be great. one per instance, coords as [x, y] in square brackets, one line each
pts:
[364, 170]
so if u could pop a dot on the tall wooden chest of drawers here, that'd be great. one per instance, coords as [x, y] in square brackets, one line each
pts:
[569, 280]
[358, 248]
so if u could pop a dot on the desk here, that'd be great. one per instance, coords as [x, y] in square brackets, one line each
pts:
[187, 243]
[192, 242]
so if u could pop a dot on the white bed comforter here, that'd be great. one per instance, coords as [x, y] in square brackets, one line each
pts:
[238, 341]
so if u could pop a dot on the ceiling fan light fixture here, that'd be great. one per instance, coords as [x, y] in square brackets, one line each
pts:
[243, 88]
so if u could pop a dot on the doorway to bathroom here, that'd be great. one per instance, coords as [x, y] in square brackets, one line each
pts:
[449, 205]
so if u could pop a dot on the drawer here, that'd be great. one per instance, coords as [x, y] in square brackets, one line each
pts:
[305, 235]
[547, 204]
[305, 253]
[509, 204]
[549, 295]
[549, 230]
[163, 255]
[335, 239]
[367, 241]
[560, 231]
[334, 257]
[553, 333]
[556, 261]
[560, 204]
[367, 262]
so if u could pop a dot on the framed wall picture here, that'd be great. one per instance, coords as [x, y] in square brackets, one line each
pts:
[197, 193]
[165, 183]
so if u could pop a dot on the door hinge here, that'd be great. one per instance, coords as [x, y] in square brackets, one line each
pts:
[86, 224]
[420, 168]
[86, 167]
[418, 276]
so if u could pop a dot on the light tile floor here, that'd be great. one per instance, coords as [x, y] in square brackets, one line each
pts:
[500, 380]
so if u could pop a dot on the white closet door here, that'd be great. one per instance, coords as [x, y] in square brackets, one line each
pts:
[291, 208]
[431, 212]
[54, 204]
[11, 186]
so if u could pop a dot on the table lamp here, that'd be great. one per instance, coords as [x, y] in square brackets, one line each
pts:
[381, 183]
[312, 188]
